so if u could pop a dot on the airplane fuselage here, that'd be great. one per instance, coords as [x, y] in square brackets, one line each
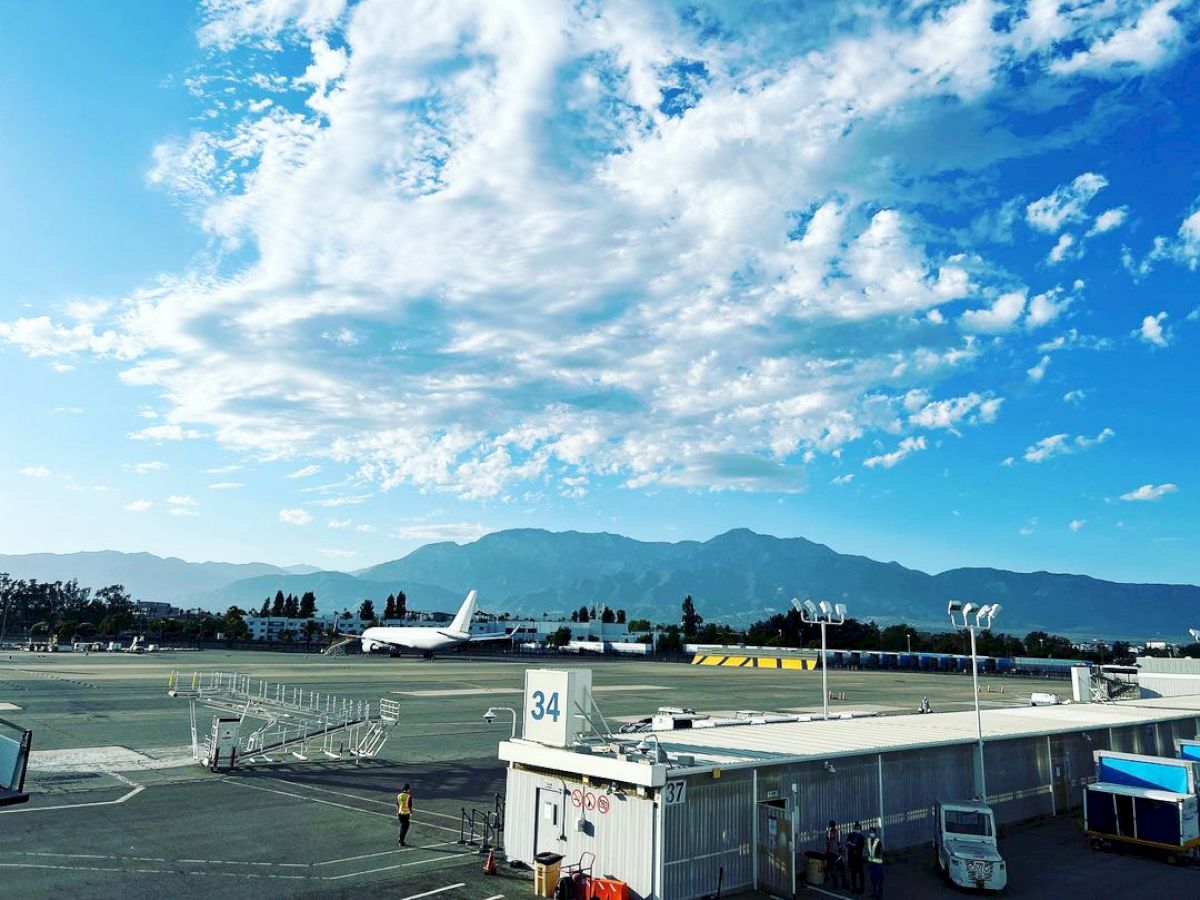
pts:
[424, 639]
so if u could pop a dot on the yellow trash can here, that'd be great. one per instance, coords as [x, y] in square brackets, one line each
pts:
[814, 867]
[546, 867]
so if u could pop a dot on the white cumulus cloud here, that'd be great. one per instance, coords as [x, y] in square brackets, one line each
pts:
[906, 448]
[138, 506]
[1150, 492]
[36, 472]
[1152, 331]
[295, 516]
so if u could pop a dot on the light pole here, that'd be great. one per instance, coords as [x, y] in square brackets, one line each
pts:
[491, 714]
[823, 614]
[974, 618]
[908, 637]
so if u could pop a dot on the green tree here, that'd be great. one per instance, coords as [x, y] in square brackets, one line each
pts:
[639, 625]
[690, 619]
[277, 605]
[286, 636]
[265, 609]
[291, 607]
[608, 616]
[234, 625]
[621, 616]
[389, 608]
[560, 637]
[366, 610]
[584, 615]
[670, 640]
[401, 605]
[308, 605]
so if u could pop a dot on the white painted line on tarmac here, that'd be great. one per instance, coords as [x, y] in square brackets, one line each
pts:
[813, 887]
[463, 858]
[497, 897]
[365, 812]
[387, 803]
[448, 887]
[331, 862]
[33, 809]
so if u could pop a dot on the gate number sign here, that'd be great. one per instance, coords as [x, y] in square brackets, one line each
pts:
[674, 792]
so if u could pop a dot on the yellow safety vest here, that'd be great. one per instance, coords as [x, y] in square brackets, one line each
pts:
[404, 803]
[873, 854]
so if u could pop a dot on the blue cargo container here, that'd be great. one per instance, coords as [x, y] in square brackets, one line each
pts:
[1187, 749]
[1139, 816]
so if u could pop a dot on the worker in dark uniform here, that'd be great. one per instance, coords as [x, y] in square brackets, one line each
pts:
[856, 845]
[404, 809]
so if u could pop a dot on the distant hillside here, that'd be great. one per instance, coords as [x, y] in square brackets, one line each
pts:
[741, 576]
[146, 576]
[335, 591]
[736, 577]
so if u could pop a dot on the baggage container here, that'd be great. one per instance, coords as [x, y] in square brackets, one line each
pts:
[1158, 820]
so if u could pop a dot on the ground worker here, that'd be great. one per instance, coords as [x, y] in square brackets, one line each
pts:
[404, 809]
[875, 863]
[835, 871]
[856, 843]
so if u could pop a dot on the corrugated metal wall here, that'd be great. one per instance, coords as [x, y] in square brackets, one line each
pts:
[912, 781]
[713, 829]
[1171, 665]
[622, 839]
[1018, 779]
[848, 793]
[1154, 684]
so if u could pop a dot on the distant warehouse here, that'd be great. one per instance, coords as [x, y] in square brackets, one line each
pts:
[698, 803]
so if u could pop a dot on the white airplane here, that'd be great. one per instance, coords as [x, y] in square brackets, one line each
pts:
[425, 639]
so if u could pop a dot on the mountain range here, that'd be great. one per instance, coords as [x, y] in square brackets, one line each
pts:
[736, 577]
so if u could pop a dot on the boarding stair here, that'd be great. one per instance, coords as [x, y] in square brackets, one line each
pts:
[1107, 688]
[257, 721]
[341, 648]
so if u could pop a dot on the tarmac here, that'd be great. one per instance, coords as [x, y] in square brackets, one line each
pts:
[119, 807]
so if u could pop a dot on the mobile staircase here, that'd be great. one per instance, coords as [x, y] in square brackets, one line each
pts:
[258, 721]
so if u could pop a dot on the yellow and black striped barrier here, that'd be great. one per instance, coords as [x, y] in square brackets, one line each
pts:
[753, 662]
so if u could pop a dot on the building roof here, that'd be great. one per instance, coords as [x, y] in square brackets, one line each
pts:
[744, 746]
[798, 741]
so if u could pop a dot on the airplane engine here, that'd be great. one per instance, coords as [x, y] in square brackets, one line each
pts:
[368, 646]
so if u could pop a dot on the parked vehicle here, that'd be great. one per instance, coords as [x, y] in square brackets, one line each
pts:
[965, 845]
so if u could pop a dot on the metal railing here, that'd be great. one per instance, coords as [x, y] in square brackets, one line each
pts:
[287, 720]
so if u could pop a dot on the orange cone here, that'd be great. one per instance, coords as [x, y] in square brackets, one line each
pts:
[489, 867]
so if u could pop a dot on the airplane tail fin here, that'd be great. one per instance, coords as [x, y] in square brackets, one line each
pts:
[462, 621]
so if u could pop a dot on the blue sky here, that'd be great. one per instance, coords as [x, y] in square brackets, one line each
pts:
[303, 280]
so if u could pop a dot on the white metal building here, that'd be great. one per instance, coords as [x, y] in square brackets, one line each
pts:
[673, 813]
[1166, 677]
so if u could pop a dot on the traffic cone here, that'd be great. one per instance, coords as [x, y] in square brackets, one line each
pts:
[489, 867]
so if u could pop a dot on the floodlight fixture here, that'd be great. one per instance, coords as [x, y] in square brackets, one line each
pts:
[1195, 633]
[840, 609]
[826, 608]
[974, 617]
[811, 609]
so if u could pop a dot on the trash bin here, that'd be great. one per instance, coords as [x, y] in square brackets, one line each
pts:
[814, 867]
[545, 873]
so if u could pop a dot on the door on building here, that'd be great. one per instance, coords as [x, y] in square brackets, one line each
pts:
[1060, 775]
[776, 859]
[548, 825]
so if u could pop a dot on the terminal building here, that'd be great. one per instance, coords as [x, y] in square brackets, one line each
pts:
[694, 805]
